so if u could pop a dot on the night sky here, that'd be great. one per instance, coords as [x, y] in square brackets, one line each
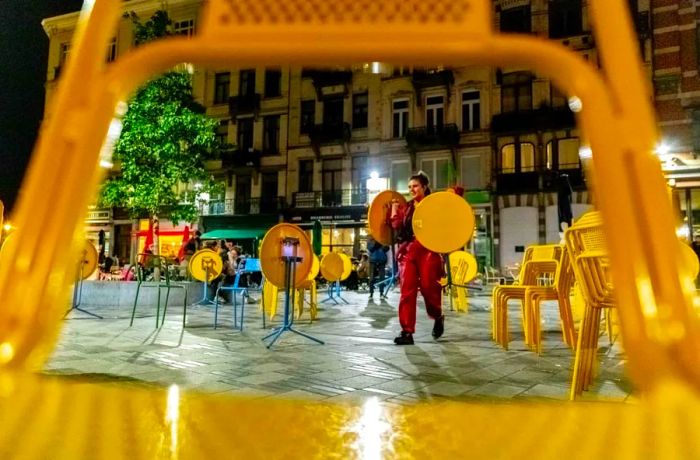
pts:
[23, 60]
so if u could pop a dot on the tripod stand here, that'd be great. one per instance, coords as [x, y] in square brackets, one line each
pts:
[289, 256]
[78, 290]
[208, 266]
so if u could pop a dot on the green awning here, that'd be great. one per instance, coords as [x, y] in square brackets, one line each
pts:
[235, 234]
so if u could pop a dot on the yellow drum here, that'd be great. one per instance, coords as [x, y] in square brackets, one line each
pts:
[690, 259]
[443, 222]
[379, 211]
[315, 267]
[332, 267]
[205, 265]
[273, 250]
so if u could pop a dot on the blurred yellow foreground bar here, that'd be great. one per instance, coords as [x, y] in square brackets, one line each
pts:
[660, 330]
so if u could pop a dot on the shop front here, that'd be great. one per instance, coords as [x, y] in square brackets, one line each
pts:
[170, 237]
[344, 229]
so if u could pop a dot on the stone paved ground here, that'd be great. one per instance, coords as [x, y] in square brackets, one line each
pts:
[359, 359]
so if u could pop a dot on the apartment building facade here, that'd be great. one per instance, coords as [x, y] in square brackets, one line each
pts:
[302, 144]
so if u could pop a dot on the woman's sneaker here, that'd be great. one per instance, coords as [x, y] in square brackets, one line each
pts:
[439, 327]
[406, 338]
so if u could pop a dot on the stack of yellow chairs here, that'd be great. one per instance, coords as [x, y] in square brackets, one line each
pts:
[559, 291]
[538, 260]
[586, 245]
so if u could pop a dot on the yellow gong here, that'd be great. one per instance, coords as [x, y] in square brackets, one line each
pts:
[332, 267]
[378, 214]
[443, 222]
[273, 249]
[347, 266]
[205, 265]
[463, 267]
[89, 260]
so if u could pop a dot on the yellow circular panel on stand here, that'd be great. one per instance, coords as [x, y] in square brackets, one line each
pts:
[271, 254]
[205, 265]
[347, 266]
[377, 216]
[315, 267]
[89, 260]
[463, 267]
[690, 259]
[332, 267]
[443, 222]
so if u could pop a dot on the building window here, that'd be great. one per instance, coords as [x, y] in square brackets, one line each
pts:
[244, 136]
[518, 19]
[696, 130]
[471, 172]
[306, 175]
[516, 92]
[271, 135]
[222, 132]
[359, 110]
[63, 52]
[563, 154]
[437, 170]
[222, 87]
[471, 110]
[333, 112]
[565, 18]
[332, 182]
[399, 118]
[308, 116]
[273, 83]
[246, 82]
[434, 113]
[185, 27]
[112, 50]
[399, 176]
[558, 98]
[517, 158]
[360, 174]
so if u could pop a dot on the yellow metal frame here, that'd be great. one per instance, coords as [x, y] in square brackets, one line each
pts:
[654, 292]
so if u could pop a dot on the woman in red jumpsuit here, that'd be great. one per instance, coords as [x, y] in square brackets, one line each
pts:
[419, 267]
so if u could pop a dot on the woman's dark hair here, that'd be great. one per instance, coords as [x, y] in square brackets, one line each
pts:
[423, 179]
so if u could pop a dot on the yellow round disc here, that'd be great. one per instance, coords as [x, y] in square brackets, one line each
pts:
[315, 267]
[273, 249]
[205, 265]
[443, 222]
[332, 267]
[379, 213]
[347, 266]
[690, 259]
[89, 260]
[463, 267]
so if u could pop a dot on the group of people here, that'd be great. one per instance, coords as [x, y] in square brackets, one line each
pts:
[372, 266]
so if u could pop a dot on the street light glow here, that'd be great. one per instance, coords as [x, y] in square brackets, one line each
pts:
[662, 148]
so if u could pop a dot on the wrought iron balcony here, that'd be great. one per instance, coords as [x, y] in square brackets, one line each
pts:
[431, 137]
[232, 207]
[330, 133]
[544, 118]
[517, 182]
[239, 158]
[244, 105]
[573, 171]
[330, 198]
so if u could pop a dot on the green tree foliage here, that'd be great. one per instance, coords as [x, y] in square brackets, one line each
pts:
[164, 142]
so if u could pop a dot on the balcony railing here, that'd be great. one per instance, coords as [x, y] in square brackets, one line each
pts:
[545, 118]
[231, 207]
[330, 133]
[431, 137]
[509, 181]
[329, 198]
[244, 105]
[240, 158]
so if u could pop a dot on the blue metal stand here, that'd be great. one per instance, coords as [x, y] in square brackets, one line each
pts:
[205, 300]
[78, 294]
[333, 293]
[289, 276]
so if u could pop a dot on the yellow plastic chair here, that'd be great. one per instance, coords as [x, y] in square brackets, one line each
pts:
[560, 291]
[537, 260]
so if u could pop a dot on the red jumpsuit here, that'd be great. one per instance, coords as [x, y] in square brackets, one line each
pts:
[419, 268]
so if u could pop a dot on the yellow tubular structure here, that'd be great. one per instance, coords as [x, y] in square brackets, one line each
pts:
[660, 330]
